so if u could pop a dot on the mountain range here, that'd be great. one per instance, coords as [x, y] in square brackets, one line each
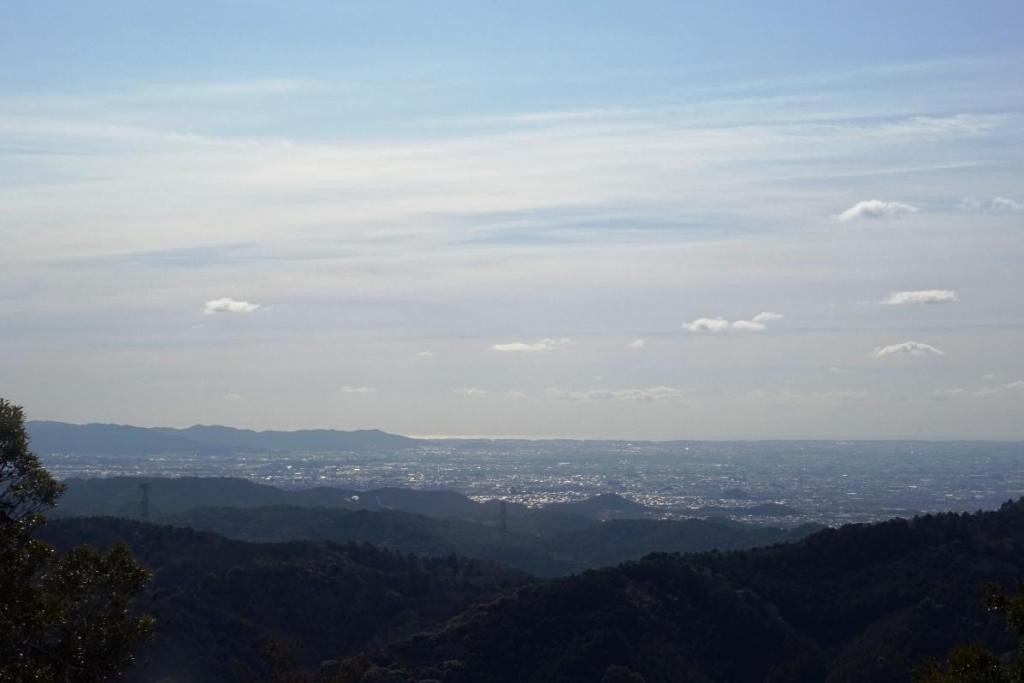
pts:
[110, 439]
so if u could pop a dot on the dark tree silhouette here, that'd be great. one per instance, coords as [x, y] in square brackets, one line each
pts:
[975, 663]
[66, 618]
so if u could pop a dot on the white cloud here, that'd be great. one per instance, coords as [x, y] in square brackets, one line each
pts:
[358, 390]
[921, 296]
[1006, 204]
[707, 325]
[908, 348]
[748, 326]
[423, 354]
[514, 395]
[547, 344]
[757, 324]
[227, 305]
[969, 203]
[636, 344]
[232, 397]
[1014, 385]
[998, 204]
[658, 393]
[876, 208]
[836, 370]
[767, 317]
[471, 391]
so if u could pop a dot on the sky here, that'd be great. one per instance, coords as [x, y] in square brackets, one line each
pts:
[648, 220]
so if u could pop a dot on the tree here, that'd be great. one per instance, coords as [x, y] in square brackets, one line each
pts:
[63, 618]
[975, 663]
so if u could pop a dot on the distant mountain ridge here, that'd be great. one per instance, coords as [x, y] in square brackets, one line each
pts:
[62, 437]
[551, 541]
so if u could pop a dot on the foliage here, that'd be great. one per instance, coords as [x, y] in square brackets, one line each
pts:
[26, 488]
[64, 618]
[974, 662]
[860, 603]
[437, 523]
[229, 610]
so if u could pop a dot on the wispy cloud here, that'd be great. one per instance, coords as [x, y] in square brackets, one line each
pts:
[257, 86]
[358, 390]
[471, 391]
[1007, 204]
[921, 296]
[996, 205]
[636, 344]
[786, 395]
[547, 344]
[658, 393]
[908, 348]
[876, 209]
[1015, 387]
[767, 317]
[228, 305]
[423, 355]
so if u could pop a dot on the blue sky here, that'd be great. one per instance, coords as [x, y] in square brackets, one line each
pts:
[698, 220]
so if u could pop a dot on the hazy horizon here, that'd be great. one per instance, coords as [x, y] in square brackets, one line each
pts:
[541, 437]
[665, 221]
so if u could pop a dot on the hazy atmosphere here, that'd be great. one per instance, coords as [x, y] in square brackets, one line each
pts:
[596, 220]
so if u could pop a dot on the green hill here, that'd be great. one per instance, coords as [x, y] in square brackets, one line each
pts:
[860, 603]
[220, 603]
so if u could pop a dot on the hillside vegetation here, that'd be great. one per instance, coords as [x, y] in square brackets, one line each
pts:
[860, 603]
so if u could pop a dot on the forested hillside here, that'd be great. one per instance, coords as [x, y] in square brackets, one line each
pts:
[861, 603]
[220, 604]
[540, 547]
[553, 541]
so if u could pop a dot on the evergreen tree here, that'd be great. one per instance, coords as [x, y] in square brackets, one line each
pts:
[975, 663]
[62, 618]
